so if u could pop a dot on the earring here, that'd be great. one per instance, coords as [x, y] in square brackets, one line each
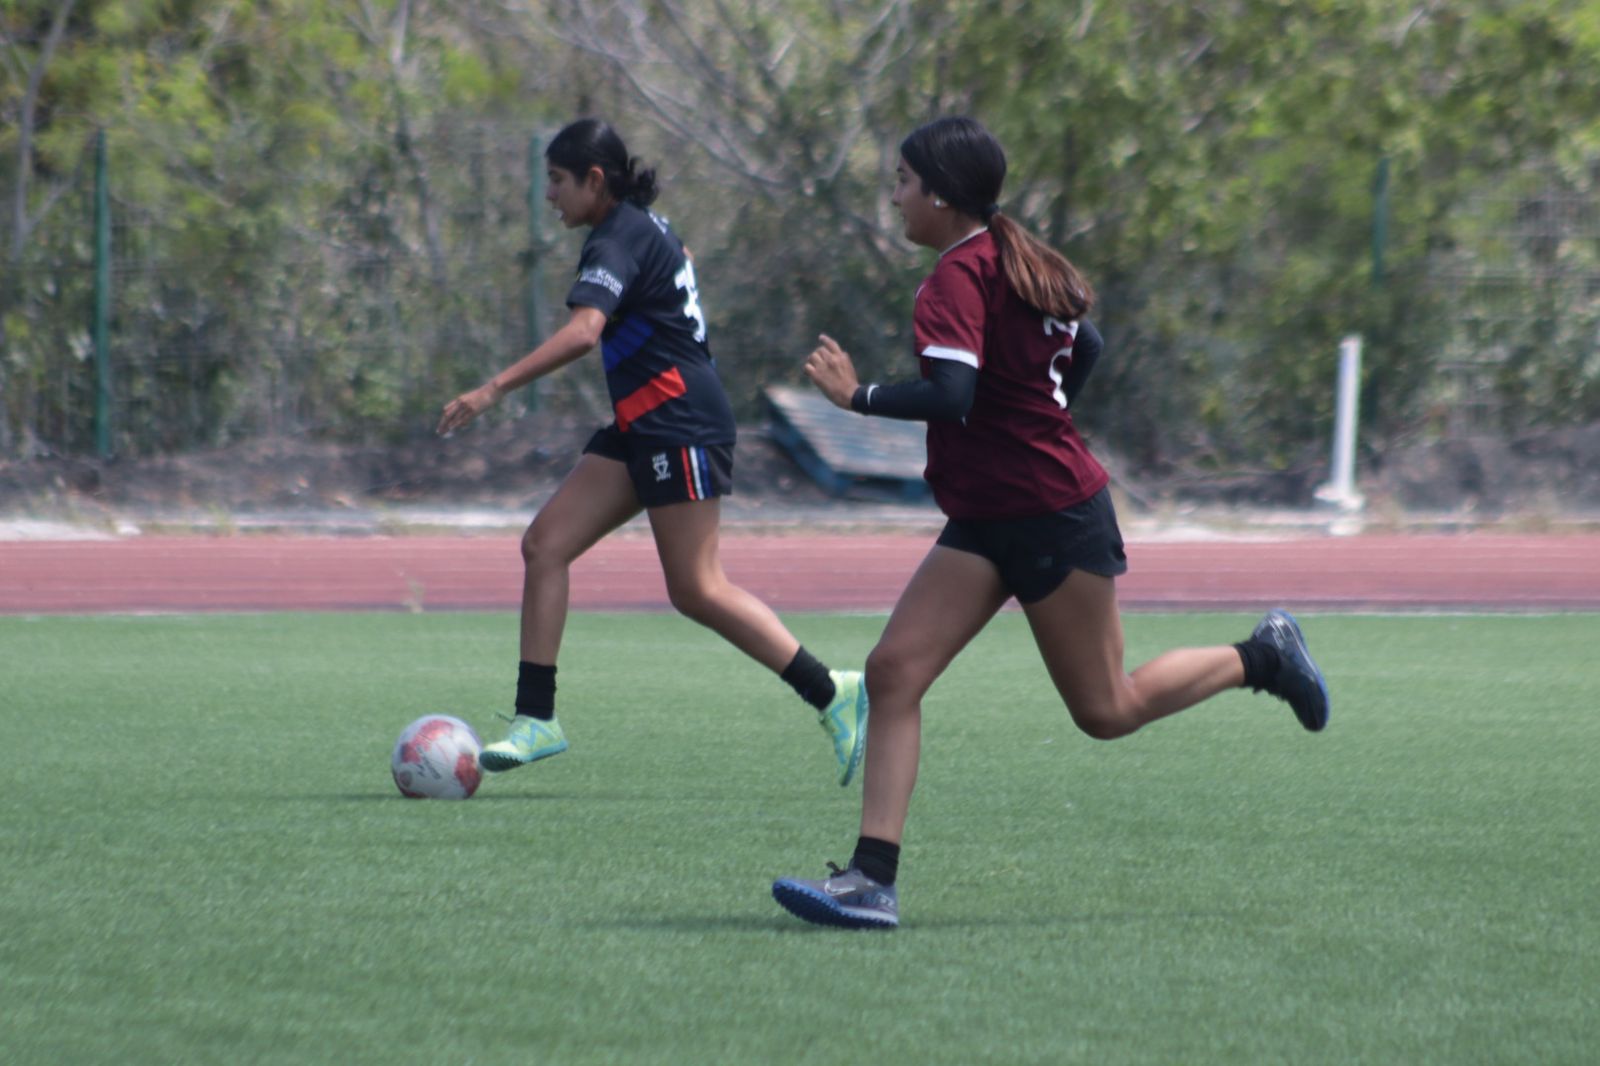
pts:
[937, 202]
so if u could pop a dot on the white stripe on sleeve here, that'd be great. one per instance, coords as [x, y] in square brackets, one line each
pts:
[933, 351]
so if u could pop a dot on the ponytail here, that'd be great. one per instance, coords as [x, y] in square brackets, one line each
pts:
[636, 186]
[1042, 276]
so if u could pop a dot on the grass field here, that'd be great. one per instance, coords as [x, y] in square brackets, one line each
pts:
[202, 857]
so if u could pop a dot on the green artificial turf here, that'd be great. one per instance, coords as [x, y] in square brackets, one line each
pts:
[203, 858]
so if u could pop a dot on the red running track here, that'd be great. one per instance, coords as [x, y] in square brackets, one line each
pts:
[1467, 571]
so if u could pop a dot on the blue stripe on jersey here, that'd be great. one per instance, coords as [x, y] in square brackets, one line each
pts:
[625, 342]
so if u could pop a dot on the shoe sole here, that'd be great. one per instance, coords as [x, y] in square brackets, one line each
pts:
[496, 762]
[818, 909]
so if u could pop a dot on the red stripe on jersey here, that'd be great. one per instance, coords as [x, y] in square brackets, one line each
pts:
[688, 473]
[647, 397]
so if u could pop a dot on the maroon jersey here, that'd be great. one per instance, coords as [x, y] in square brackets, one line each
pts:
[1017, 452]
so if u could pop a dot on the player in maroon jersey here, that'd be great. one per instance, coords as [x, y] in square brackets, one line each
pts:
[669, 451]
[1003, 347]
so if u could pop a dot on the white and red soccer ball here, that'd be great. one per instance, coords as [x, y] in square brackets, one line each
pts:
[437, 758]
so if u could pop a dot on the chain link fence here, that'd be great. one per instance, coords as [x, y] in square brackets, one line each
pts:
[1522, 288]
[402, 289]
[350, 305]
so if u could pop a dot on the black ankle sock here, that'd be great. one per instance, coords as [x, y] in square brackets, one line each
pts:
[1261, 663]
[808, 676]
[536, 690]
[878, 859]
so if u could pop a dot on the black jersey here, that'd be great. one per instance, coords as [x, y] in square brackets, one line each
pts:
[659, 371]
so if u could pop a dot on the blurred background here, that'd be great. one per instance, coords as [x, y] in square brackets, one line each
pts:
[233, 225]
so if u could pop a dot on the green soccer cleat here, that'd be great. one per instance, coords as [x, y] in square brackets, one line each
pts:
[528, 740]
[845, 721]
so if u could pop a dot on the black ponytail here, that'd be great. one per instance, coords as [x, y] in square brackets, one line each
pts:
[591, 142]
[641, 187]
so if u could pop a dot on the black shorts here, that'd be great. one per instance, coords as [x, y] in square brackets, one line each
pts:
[663, 474]
[1034, 555]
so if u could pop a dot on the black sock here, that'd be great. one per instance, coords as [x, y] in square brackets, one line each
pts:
[1261, 664]
[808, 676]
[878, 859]
[536, 690]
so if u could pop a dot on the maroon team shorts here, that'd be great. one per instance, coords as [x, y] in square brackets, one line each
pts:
[1034, 555]
[664, 474]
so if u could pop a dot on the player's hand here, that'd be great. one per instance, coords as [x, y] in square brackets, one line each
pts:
[464, 408]
[831, 371]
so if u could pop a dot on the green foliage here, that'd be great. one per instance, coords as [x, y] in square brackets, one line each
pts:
[323, 226]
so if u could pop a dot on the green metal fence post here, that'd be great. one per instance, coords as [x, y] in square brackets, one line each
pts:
[534, 292]
[1380, 218]
[102, 300]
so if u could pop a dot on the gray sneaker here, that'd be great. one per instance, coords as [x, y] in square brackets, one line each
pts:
[847, 898]
[1299, 683]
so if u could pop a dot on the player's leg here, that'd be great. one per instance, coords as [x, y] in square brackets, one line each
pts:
[1063, 568]
[949, 600]
[1079, 632]
[594, 499]
[688, 543]
[1078, 629]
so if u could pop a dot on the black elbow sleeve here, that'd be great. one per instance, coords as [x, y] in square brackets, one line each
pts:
[1087, 345]
[945, 395]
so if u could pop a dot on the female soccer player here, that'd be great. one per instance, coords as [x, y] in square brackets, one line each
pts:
[1004, 347]
[669, 452]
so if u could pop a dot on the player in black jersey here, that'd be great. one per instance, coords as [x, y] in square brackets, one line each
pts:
[669, 451]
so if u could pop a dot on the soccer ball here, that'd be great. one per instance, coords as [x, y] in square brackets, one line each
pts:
[437, 758]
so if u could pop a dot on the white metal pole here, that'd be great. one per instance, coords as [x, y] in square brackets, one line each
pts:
[1341, 487]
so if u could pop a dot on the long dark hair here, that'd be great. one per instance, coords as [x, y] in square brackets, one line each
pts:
[963, 164]
[591, 142]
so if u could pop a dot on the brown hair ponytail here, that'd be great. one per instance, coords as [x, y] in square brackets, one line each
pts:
[1042, 276]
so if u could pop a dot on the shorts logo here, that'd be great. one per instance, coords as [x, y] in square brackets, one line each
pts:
[661, 465]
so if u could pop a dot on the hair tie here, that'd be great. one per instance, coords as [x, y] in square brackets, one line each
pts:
[990, 211]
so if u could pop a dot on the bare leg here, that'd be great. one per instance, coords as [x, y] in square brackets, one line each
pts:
[949, 600]
[1079, 632]
[687, 542]
[595, 499]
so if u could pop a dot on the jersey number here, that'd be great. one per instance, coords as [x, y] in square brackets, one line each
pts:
[1062, 360]
[684, 279]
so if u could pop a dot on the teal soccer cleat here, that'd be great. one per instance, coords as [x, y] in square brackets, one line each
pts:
[845, 721]
[848, 899]
[529, 739]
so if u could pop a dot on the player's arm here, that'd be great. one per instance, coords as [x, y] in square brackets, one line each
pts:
[1086, 348]
[580, 333]
[944, 395]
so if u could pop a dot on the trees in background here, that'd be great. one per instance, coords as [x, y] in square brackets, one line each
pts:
[324, 223]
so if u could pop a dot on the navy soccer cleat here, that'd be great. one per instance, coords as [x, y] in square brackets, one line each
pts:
[848, 899]
[1299, 683]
